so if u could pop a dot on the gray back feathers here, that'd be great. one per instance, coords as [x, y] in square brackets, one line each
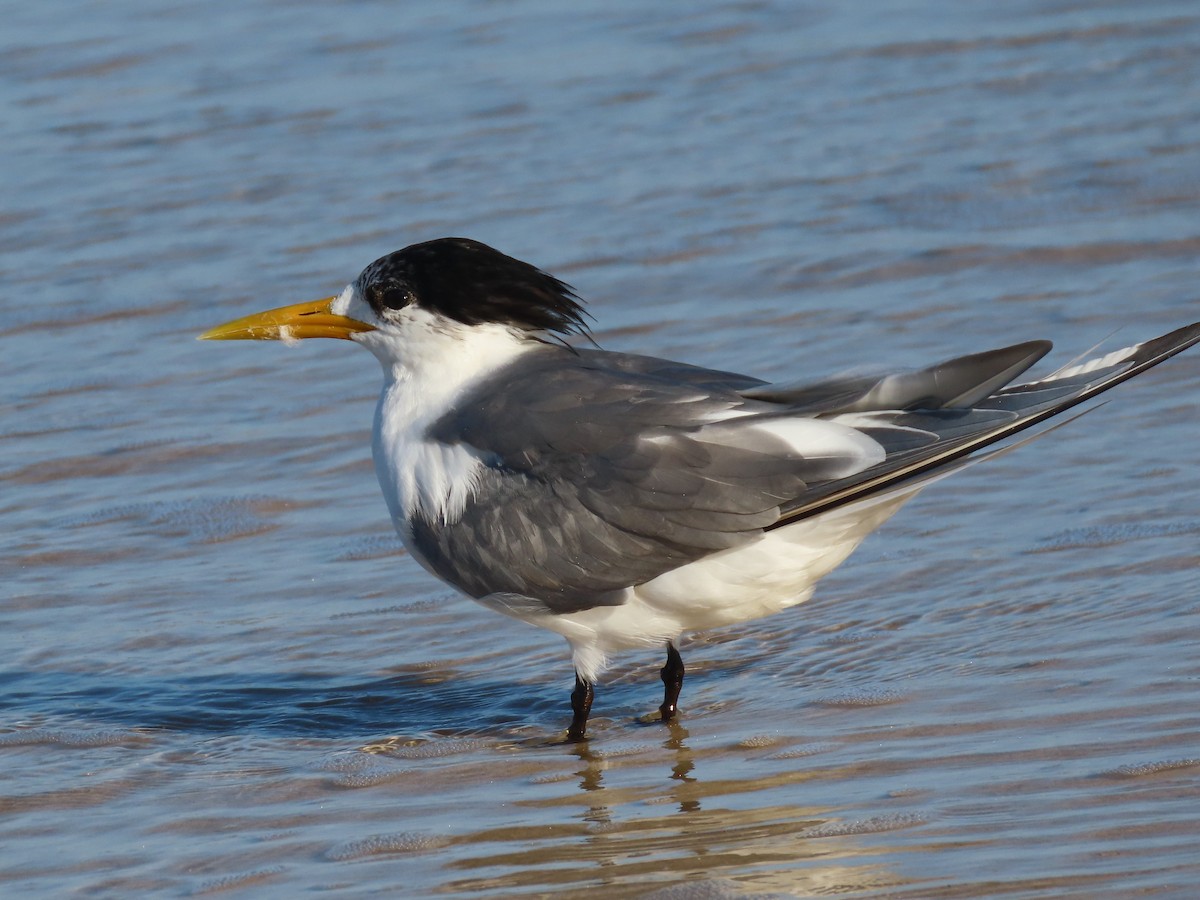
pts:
[604, 470]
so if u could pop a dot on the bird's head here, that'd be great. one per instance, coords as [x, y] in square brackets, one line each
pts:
[453, 281]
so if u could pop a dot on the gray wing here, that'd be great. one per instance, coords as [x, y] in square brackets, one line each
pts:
[957, 382]
[604, 470]
[670, 371]
[954, 383]
[921, 443]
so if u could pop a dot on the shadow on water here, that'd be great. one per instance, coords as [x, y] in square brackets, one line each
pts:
[291, 705]
[319, 704]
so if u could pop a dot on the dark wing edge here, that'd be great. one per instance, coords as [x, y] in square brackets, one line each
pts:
[952, 383]
[1001, 415]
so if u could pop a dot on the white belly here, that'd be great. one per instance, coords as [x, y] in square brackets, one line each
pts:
[775, 571]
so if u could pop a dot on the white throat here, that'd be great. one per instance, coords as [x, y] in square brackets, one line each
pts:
[428, 362]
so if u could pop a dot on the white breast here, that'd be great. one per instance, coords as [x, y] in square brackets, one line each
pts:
[428, 362]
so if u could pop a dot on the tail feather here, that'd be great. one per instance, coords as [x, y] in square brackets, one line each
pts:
[921, 442]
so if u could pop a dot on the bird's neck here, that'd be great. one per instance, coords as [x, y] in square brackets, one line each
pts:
[440, 360]
[422, 382]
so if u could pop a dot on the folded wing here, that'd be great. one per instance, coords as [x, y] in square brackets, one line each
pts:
[922, 442]
[602, 470]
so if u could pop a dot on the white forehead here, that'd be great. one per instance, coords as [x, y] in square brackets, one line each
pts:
[351, 303]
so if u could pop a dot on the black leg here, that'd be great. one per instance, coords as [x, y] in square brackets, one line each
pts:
[672, 677]
[581, 705]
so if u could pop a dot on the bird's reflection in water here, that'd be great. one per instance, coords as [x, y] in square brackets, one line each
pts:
[682, 773]
[591, 777]
[612, 816]
[685, 763]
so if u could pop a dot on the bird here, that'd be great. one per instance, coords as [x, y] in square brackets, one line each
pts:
[624, 501]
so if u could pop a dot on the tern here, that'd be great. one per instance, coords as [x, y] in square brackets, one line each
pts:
[623, 501]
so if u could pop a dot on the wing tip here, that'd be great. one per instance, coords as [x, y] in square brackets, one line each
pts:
[1137, 359]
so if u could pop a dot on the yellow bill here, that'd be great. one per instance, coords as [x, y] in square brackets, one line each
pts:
[287, 323]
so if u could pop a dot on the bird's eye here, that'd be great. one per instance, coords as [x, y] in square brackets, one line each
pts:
[392, 296]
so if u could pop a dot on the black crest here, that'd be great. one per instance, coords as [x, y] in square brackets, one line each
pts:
[472, 283]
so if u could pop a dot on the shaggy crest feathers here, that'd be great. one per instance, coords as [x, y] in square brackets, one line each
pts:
[472, 283]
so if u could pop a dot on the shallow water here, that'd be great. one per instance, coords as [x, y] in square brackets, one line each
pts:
[222, 675]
